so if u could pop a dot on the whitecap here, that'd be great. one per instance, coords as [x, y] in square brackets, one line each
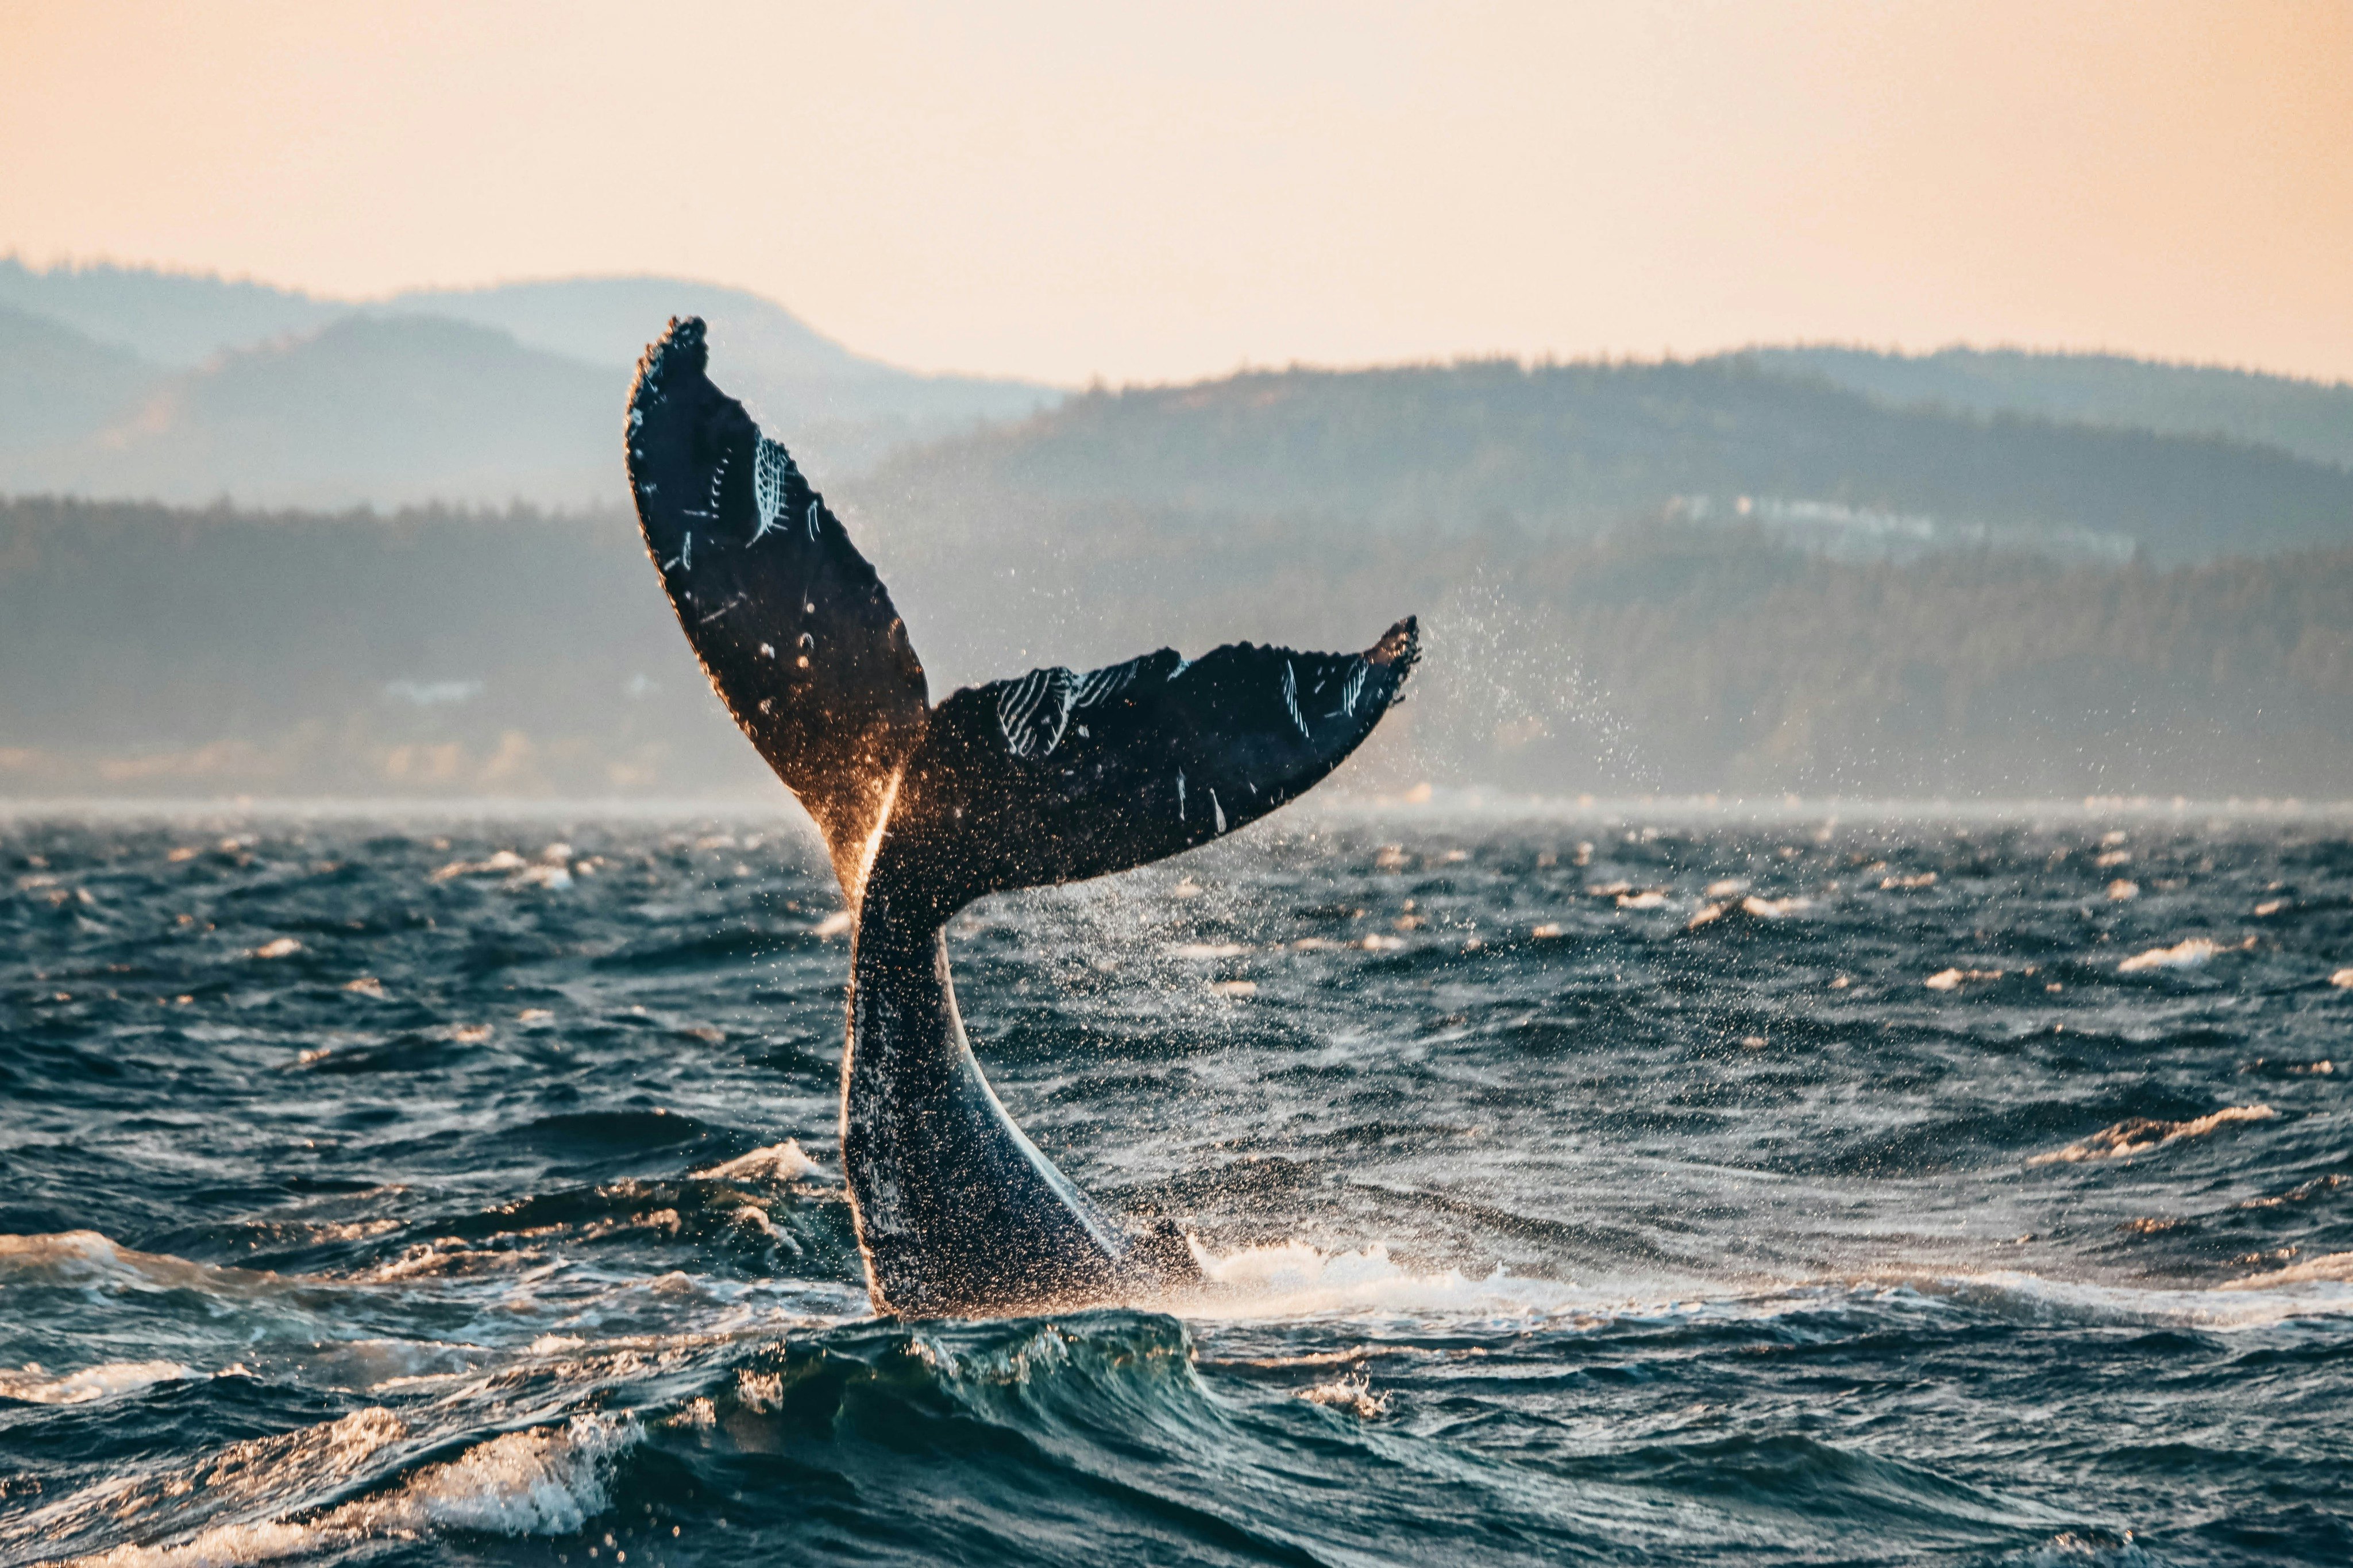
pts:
[35, 1387]
[785, 1162]
[1295, 1279]
[1353, 1394]
[78, 1255]
[1775, 908]
[1207, 949]
[2069, 1550]
[2189, 953]
[2141, 1134]
[2335, 1267]
[504, 860]
[546, 1481]
[2237, 1306]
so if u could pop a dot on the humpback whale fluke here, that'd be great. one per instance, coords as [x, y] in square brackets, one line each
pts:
[1053, 776]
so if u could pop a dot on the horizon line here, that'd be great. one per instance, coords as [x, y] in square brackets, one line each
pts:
[1532, 359]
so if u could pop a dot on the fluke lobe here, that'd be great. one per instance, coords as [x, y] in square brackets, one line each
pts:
[1053, 776]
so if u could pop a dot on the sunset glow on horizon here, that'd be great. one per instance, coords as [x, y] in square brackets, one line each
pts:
[1143, 194]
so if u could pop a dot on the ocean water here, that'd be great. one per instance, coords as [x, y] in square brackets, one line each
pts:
[1601, 1188]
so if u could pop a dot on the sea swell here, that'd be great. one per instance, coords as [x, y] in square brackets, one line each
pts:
[499, 1215]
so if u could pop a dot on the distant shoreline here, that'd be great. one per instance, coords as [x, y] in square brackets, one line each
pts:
[1343, 809]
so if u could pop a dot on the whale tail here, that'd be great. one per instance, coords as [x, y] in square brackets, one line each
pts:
[1051, 776]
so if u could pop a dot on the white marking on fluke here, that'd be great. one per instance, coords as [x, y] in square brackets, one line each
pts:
[1352, 691]
[1026, 700]
[1290, 699]
[1036, 710]
[769, 467]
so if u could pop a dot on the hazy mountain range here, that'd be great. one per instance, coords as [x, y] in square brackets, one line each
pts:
[1581, 447]
[1820, 569]
[137, 383]
[123, 382]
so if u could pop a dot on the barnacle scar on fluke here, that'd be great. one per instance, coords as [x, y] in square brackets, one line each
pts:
[1054, 776]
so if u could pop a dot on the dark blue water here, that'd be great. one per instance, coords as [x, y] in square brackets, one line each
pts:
[367, 1195]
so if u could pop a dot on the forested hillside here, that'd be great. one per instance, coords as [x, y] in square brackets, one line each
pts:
[2313, 419]
[1585, 446]
[164, 653]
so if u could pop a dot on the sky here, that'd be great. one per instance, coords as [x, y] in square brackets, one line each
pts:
[1144, 193]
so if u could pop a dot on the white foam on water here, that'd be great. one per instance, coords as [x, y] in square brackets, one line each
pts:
[785, 1162]
[2261, 1302]
[1294, 1279]
[76, 1256]
[35, 1387]
[1353, 1393]
[546, 1481]
[1196, 949]
[2142, 1135]
[222, 1546]
[266, 1475]
[1775, 908]
[2070, 1550]
[2333, 1267]
[2191, 953]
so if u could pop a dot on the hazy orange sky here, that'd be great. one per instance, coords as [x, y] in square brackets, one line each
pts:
[1156, 192]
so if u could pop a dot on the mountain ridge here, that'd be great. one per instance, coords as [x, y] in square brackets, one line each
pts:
[340, 402]
[1588, 445]
[2310, 417]
[136, 382]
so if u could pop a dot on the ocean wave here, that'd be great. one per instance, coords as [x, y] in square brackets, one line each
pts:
[2141, 1134]
[2191, 953]
[269, 1476]
[87, 1257]
[2073, 1549]
[2335, 1267]
[2260, 1302]
[785, 1162]
[547, 1481]
[1296, 1279]
[1529, 1251]
[32, 1386]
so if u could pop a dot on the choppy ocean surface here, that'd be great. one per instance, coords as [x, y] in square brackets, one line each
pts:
[1582, 1189]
